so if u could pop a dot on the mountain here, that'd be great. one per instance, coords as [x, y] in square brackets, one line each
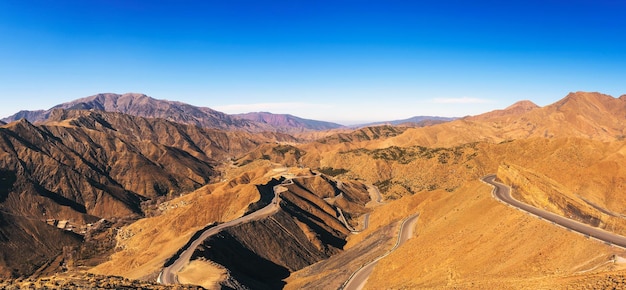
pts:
[580, 114]
[135, 190]
[79, 167]
[363, 134]
[143, 106]
[417, 121]
[465, 238]
[288, 123]
[518, 108]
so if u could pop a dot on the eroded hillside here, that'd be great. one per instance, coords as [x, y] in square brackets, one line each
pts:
[567, 158]
[306, 229]
[83, 166]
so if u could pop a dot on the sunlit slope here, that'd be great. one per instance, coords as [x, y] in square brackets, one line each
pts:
[578, 178]
[581, 114]
[567, 157]
[466, 239]
[144, 246]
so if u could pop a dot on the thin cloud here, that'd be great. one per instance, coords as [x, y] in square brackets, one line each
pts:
[272, 107]
[463, 100]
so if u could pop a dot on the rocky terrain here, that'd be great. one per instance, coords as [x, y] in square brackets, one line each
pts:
[304, 231]
[118, 195]
[288, 123]
[417, 121]
[87, 281]
[143, 106]
[82, 166]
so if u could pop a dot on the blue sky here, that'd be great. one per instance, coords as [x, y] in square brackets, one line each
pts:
[342, 61]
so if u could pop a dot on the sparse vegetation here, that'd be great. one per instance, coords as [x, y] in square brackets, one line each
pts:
[286, 149]
[364, 134]
[405, 155]
[332, 171]
[385, 187]
[81, 280]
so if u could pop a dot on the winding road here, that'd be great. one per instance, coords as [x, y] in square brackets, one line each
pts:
[375, 197]
[359, 277]
[502, 193]
[169, 274]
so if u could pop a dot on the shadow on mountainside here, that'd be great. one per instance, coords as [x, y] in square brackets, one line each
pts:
[246, 266]
[7, 179]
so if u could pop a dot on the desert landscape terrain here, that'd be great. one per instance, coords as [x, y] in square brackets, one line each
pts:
[119, 198]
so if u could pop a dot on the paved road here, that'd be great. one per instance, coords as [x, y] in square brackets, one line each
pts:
[375, 195]
[503, 193]
[169, 275]
[357, 279]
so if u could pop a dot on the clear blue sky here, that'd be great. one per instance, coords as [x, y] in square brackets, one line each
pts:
[343, 61]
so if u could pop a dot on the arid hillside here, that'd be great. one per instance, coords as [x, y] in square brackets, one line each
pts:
[147, 186]
[466, 239]
[305, 229]
[143, 247]
[288, 123]
[581, 114]
[82, 166]
[579, 178]
[143, 106]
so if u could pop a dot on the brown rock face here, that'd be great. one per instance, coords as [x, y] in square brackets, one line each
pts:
[143, 106]
[580, 114]
[288, 123]
[81, 166]
[567, 157]
[518, 108]
[306, 230]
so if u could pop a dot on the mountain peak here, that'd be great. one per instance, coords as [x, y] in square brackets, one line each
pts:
[586, 97]
[522, 106]
[142, 105]
[517, 108]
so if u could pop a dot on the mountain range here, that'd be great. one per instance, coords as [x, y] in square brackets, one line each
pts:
[417, 121]
[144, 106]
[116, 185]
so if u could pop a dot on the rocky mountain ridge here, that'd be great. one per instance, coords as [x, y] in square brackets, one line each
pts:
[288, 123]
[566, 157]
[416, 121]
[143, 106]
[81, 166]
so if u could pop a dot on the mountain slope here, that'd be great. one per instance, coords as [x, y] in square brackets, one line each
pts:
[518, 108]
[82, 166]
[567, 157]
[144, 106]
[288, 123]
[304, 230]
[417, 121]
[581, 114]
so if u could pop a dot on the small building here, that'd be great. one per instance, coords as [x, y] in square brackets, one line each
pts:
[62, 224]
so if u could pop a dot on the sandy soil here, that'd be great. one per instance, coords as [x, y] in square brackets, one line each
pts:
[203, 273]
[466, 239]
